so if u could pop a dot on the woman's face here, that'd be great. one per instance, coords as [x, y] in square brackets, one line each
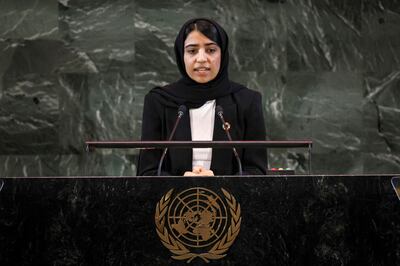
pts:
[202, 57]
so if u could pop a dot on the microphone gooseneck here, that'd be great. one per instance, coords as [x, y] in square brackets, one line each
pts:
[226, 126]
[181, 111]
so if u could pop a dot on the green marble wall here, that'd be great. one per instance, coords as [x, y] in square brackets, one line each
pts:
[328, 70]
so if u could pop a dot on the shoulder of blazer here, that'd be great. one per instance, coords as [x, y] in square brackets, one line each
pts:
[246, 96]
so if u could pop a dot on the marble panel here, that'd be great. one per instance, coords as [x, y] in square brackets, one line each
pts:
[73, 125]
[29, 165]
[381, 162]
[258, 35]
[101, 163]
[30, 95]
[6, 57]
[381, 122]
[380, 36]
[102, 30]
[29, 115]
[29, 19]
[116, 163]
[382, 95]
[42, 56]
[327, 107]
[338, 162]
[324, 35]
[109, 110]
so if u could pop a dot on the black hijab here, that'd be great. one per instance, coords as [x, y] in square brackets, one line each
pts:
[189, 92]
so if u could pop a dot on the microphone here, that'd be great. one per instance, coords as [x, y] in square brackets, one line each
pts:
[181, 111]
[226, 126]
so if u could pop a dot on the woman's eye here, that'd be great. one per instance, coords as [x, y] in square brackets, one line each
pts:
[212, 50]
[191, 51]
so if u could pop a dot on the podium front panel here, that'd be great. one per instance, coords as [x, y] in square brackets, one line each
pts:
[274, 220]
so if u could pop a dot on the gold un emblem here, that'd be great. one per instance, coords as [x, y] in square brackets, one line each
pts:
[196, 223]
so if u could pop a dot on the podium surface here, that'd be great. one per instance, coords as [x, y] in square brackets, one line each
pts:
[227, 220]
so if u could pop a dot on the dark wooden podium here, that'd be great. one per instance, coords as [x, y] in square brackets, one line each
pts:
[284, 220]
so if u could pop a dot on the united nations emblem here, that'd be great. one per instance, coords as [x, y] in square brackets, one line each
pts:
[196, 223]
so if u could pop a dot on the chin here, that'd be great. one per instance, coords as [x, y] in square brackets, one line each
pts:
[201, 79]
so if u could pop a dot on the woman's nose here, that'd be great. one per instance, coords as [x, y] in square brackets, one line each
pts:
[201, 56]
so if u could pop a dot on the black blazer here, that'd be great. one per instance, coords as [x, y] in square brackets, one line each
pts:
[242, 109]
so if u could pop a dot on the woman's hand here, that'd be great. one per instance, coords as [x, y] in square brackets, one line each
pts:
[199, 171]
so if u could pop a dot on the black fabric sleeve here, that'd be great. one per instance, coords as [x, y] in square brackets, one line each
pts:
[254, 160]
[151, 130]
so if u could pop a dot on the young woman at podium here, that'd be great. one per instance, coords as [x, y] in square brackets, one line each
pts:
[201, 50]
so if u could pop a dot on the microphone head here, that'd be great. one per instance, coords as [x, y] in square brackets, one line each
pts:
[219, 110]
[182, 110]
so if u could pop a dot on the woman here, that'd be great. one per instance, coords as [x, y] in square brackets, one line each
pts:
[201, 50]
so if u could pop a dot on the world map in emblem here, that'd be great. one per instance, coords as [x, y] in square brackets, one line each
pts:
[197, 217]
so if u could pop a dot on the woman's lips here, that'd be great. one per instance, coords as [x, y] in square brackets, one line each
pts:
[202, 69]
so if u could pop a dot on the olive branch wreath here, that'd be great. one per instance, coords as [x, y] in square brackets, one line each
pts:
[180, 251]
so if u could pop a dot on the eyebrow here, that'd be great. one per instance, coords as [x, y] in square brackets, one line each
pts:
[196, 45]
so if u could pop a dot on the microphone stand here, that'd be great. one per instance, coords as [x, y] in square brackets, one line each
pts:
[226, 126]
[181, 112]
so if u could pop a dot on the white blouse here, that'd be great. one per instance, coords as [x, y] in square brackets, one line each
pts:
[202, 128]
